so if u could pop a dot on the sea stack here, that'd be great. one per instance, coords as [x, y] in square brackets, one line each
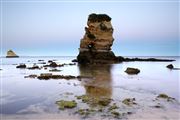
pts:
[95, 46]
[11, 54]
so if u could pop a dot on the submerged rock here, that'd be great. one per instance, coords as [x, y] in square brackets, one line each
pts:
[11, 54]
[114, 106]
[21, 66]
[122, 59]
[85, 111]
[104, 101]
[170, 66]
[34, 67]
[96, 101]
[40, 60]
[47, 76]
[164, 96]
[74, 60]
[53, 64]
[31, 76]
[84, 98]
[54, 70]
[116, 114]
[129, 101]
[66, 104]
[132, 71]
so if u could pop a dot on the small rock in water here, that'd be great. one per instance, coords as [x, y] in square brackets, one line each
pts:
[164, 96]
[47, 76]
[85, 111]
[116, 114]
[66, 104]
[33, 67]
[53, 64]
[54, 70]
[21, 66]
[42, 63]
[104, 101]
[31, 76]
[84, 98]
[50, 61]
[132, 71]
[75, 60]
[114, 106]
[170, 66]
[40, 60]
[129, 101]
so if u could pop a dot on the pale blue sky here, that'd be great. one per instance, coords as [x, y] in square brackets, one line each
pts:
[55, 28]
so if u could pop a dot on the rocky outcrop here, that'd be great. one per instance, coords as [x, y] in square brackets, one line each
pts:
[11, 54]
[96, 44]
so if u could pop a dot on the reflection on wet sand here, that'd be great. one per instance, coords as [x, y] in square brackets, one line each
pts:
[101, 84]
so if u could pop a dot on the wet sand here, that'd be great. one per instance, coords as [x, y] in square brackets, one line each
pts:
[31, 98]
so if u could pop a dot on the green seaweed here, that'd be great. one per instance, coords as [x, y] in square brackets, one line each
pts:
[66, 104]
[84, 98]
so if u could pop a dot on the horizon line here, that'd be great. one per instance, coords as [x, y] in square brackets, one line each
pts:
[91, 1]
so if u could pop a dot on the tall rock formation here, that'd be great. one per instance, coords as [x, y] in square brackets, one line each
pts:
[11, 54]
[95, 46]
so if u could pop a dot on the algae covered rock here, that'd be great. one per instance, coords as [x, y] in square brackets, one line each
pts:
[129, 101]
[114, 106]
[132, 71]
[85, 111]
[66, 104]
[84, 98]
[166, 97]
[104, 101]
[116, 114]
[163, 96]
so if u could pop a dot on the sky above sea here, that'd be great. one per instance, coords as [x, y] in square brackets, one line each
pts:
[54, 28]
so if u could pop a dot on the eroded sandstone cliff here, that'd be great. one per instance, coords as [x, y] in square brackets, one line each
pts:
[11, 54]
[95, 46]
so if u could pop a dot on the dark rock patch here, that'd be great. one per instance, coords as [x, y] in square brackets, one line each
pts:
[170, 66]
[129, 101]
[31, 76]
[21, 66]
[132, 71]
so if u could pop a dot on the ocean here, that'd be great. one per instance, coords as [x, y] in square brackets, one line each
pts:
[30, 98]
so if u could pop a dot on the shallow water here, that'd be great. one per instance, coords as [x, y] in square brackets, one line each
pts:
[30, 98]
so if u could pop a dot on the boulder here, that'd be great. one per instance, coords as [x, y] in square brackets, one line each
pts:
[170, 66]
[21, 66]
[132, 71]
[11, 54]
